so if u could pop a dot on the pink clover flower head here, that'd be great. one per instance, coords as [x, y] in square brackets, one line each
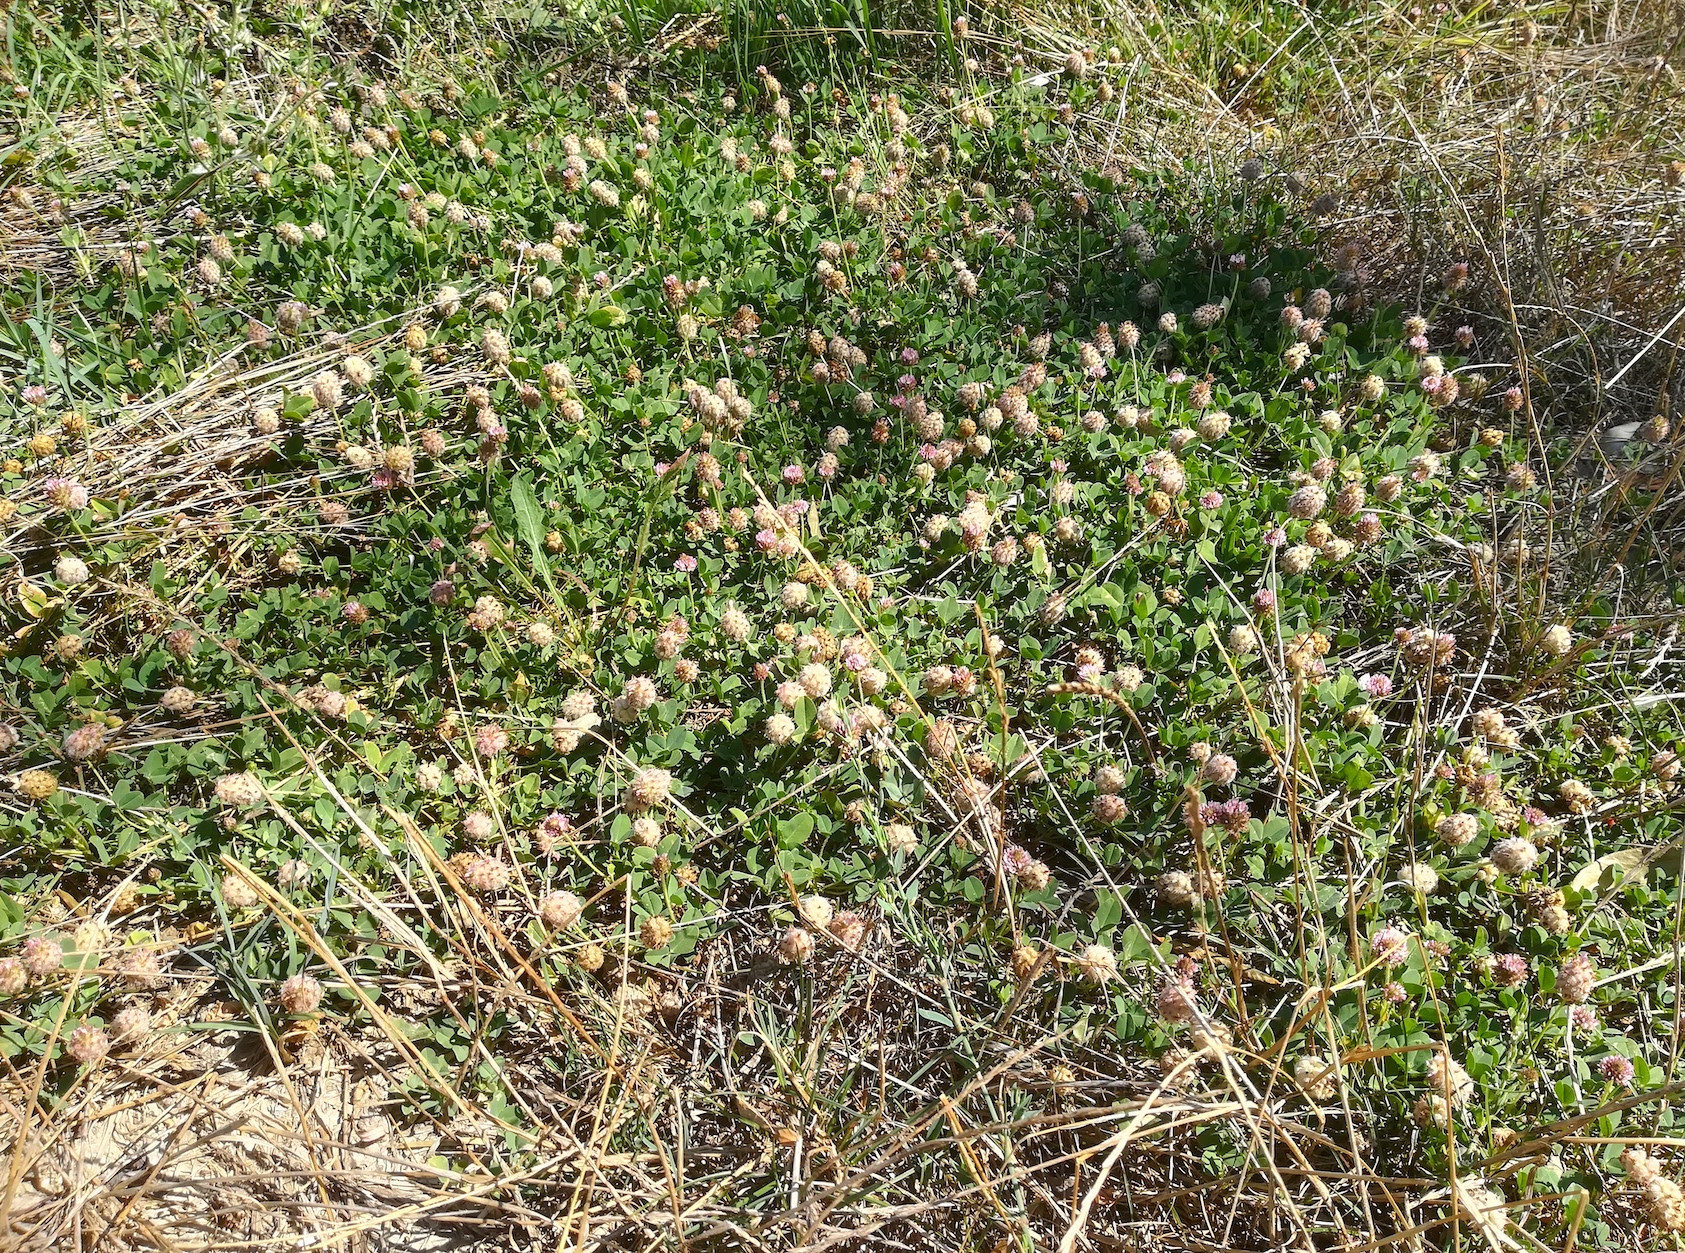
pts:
[1391, 945]
[1375, 685]
[1510, 970]
[1616, 1070]
[65, 494]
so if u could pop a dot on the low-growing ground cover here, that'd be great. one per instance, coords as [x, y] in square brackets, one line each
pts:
[853, 629]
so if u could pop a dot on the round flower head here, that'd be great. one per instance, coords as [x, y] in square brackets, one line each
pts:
[1317, 1076]
[240, 791]
[650, 787]
[13, 977]
[358, 372]
[1098, 964]
[1307, 502]
[655, 931]
[140, 968]
[1109, 780]
[815, 680]
[1449, 1080]
[1418, 876]
[64, 495]
[816, 911]
[1575, 979]
[1108, 808]
[1557, 640]
[1391, 945]
[734, 624]
[42, 955]
[300, 995]
[635, 698]
[490, 740]
[1220, 769]
[486, 875]
[796, 946]
[1617, 1070]
[559, 910]
[1456, 830]
[1640, 1167]
[1577, 798]
[88, 1045]
[84, 744]
[1243, 640]
[1176, 890]
[131, 1025]
[71, 571]
[327, 389]
[1510, 970]
[1515, 855]
[237, 892]
[1176, 1001]
[849, 930]
[1214, 425]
